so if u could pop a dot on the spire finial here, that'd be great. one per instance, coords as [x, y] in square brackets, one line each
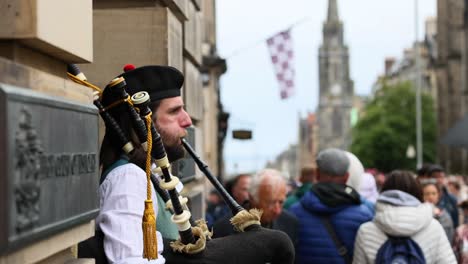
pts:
[332, 11]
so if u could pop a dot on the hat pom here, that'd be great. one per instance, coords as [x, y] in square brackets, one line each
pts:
[128, 67]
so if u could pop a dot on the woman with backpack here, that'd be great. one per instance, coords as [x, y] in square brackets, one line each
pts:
[403, 229]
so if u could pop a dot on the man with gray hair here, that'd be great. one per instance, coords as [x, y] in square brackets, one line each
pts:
[330, 213]
[267, 192]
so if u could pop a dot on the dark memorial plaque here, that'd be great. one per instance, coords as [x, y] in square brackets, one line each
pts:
[48, 166]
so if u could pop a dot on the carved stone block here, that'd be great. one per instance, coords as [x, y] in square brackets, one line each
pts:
[140, 36]
[61, 29]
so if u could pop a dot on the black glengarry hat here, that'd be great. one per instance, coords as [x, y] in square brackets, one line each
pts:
[159, 81]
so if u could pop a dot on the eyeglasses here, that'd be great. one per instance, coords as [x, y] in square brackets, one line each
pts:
[273, 203]
[428, 181]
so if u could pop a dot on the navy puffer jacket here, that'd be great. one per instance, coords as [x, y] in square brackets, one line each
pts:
[315, 244]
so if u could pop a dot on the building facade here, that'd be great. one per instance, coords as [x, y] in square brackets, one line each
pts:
[181, 34]
[336, 88]
[37, 41]
[452, 71]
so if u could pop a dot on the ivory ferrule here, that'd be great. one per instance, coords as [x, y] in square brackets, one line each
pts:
[163, 163]
[182, 220]
[128, 147]
[183, 202]
[171, 184]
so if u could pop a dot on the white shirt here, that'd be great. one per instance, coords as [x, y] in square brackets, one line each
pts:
[122, 199]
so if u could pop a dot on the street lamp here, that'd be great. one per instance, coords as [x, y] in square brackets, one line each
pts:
[419, 146]
[410, 152]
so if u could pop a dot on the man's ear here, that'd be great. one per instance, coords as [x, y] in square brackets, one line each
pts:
[345, 177]
[252, 200]
[317, 173]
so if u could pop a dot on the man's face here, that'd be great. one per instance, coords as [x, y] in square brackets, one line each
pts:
[452, 189]
[308, 175]
[439, 176]
[380, 179]
[240, 191]
[465, 212]
[271, 201]
[171, 122]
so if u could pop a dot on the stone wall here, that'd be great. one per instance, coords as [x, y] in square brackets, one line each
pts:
[37, 40]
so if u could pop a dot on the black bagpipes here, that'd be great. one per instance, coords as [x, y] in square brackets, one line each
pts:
[149, 135]
[252, 243]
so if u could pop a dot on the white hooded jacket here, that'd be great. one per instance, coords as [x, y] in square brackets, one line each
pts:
[400, 214]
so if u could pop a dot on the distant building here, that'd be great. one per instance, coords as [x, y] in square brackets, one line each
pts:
[286, 162]
[214, 121]
[359, 102]
[301, 154]
[307, 142]
[336, 88]
[404, 69]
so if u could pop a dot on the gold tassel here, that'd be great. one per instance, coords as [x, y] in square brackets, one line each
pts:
[150, 241]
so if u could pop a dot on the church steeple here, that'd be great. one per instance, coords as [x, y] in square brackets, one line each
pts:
[333, 28]
[332, 11]
[336, 94]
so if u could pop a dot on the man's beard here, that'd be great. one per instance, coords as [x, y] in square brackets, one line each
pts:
[172, 145]
[174, 152]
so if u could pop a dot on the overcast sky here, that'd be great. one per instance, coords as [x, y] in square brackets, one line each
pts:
[373, 30]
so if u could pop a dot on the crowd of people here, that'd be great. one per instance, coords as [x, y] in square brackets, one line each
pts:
[337, 212]
[340, 212]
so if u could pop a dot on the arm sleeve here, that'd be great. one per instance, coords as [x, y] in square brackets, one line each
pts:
[457, 244]
[123, 194]
[359, 254]
[445, 252]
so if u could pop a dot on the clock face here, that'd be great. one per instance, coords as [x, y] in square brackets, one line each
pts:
[335, 89]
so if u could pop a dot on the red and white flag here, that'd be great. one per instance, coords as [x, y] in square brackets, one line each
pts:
[281, 52]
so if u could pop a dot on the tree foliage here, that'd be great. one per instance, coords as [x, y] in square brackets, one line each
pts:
[388, 126]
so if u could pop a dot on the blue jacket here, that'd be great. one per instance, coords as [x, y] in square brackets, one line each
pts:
[315, 244]
[448, 202]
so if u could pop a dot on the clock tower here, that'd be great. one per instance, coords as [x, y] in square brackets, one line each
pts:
[336, 88]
